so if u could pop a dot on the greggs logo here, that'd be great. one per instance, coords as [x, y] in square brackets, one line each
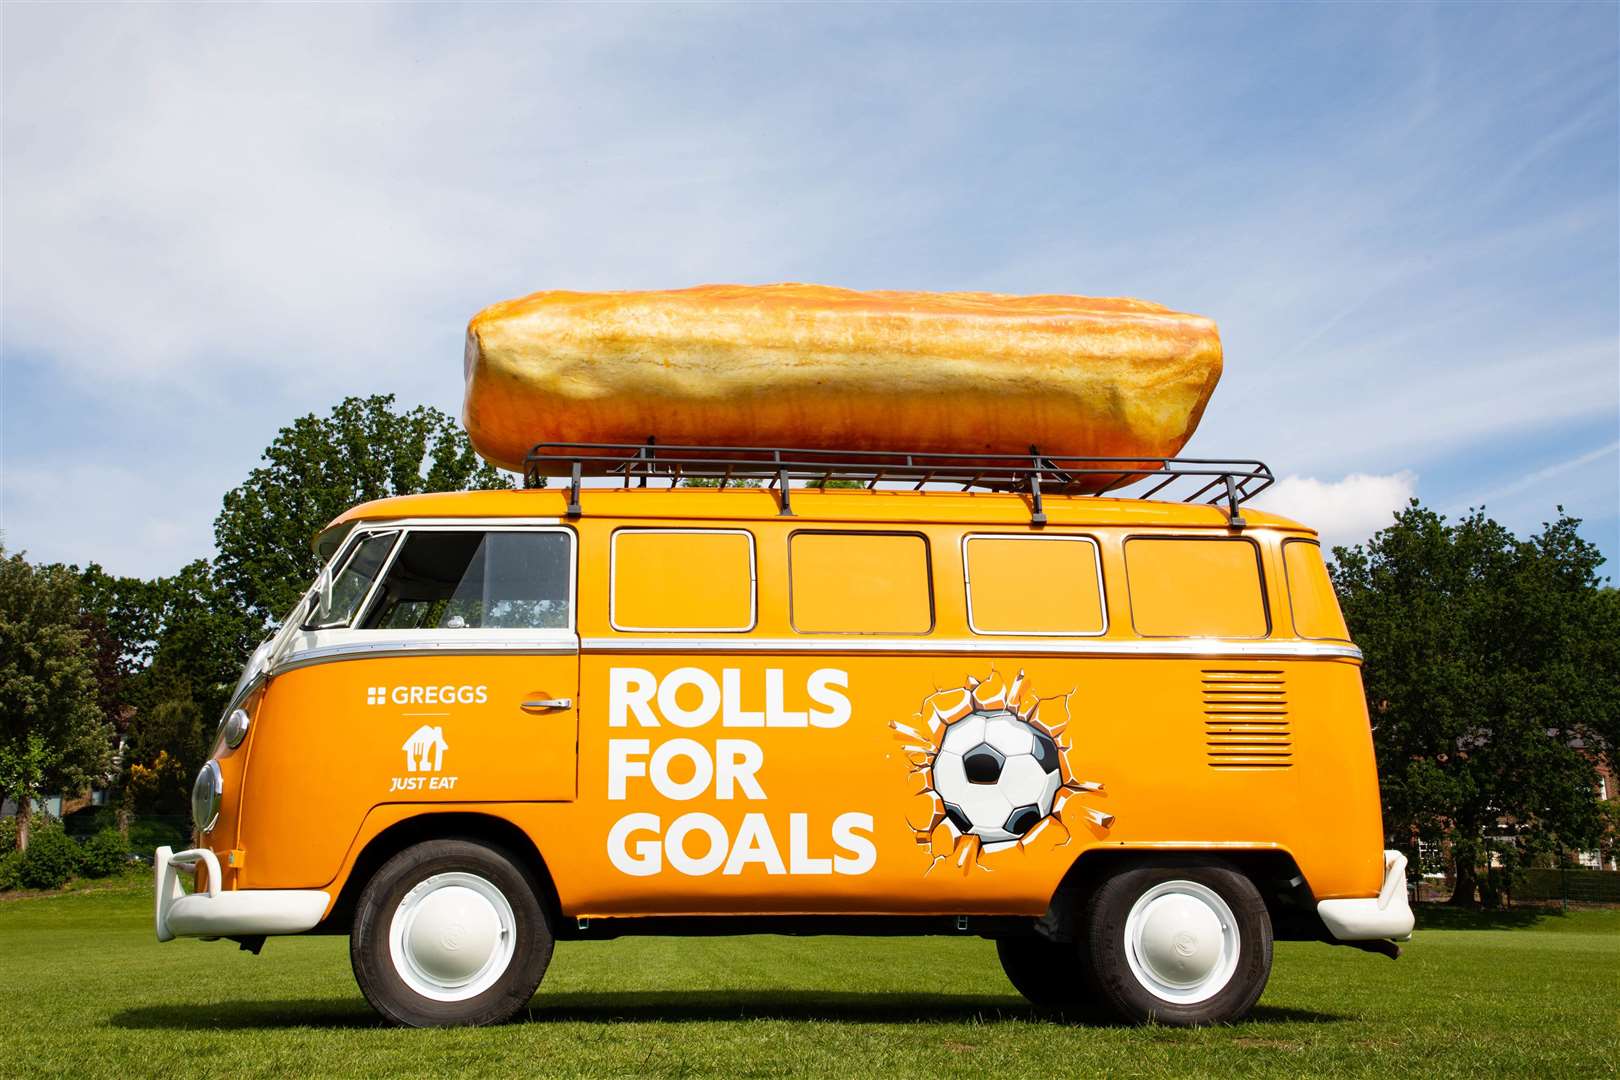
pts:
[427, 695]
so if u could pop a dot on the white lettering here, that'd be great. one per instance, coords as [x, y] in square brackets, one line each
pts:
[755, 844]
[702, 769]
[733, 714]
[620, 767]
[862, 852]
[775, 714]
[669, 691]
[736, 762]
[799, 859]
[675, 844]
[645, 861]
[630, 691]
[826, 688]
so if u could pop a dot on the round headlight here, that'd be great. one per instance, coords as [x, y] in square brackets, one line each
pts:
[236, 726]
[205, 796]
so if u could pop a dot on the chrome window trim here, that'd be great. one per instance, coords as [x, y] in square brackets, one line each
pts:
[928, 577]
[1288, 583]
[613, 584]
[443, 525]
[1096, 555]
[1259, 569]
[1167, 648]
[363, 650]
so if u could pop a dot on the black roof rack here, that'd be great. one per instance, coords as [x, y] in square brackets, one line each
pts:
[1215, 481]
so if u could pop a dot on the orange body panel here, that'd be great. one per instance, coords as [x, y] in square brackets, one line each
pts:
[775, 770]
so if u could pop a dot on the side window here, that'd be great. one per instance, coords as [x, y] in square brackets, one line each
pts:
[454, 580]
[668, 580]
[860, 583]
[1041, 585]
[1195, 587]
[1310, 592]
[353, 582]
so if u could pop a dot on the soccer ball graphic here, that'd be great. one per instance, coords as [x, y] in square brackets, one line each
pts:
[996, 774]
[990, 772]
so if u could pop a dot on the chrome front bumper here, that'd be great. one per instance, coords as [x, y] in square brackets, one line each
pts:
[216, 913]
[1372, 918]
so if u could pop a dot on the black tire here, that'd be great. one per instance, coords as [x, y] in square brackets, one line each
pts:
[1047, 973]
[1109, 957]
[369, 946]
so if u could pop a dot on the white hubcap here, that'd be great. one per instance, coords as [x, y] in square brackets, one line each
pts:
[452, 936]
[1181, 942]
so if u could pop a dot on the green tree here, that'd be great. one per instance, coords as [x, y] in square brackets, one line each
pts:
[175, 641]
[320, 466]
[1604, 655]
[203, 638]
[53, 735]
[1482, 684]
[165, 751]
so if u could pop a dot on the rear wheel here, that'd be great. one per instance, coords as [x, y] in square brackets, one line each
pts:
[1181, 945]
[1046, 972]
[450, 932]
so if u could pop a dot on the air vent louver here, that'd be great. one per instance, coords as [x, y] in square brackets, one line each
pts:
[1246, 720]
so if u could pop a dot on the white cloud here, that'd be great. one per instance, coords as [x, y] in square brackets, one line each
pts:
[1346, 511]
[243, 212]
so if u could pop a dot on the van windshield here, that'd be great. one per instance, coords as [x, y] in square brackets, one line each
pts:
[466, 580]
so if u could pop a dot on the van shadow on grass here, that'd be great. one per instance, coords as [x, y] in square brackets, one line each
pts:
[663, 1007]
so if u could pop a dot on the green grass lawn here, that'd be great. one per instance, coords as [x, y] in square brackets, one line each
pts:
[88, 991]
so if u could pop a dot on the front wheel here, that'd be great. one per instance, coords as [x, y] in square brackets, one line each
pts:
[447, 933]
[1181, 945]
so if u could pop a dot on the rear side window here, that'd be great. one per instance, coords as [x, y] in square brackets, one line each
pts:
[683, 579]
[1184, 587]
[1042, 585]
[860, 583]
[454, 580]
[1310, 592]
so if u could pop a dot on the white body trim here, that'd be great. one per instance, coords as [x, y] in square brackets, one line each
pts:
[216, 913]
[1372, 918]
[1195, 647]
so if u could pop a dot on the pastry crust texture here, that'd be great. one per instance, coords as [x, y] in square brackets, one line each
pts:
[816, 367]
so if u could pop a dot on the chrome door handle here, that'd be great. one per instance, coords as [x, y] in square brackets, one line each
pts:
[550, 703]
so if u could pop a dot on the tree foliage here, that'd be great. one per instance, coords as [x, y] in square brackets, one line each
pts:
[53, 732]
[1485, 678]
[165, 751]
[320, 466]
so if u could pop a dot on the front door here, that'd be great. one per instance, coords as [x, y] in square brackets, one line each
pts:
[447, 671]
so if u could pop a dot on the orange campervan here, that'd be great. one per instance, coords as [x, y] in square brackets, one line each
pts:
[1125, 738]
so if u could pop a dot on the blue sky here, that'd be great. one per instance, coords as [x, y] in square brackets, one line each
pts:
[1405, 218]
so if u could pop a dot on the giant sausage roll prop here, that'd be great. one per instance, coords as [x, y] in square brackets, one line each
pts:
[813, 367]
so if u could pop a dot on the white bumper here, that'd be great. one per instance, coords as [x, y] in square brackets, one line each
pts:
[1386, 915]
[217, 914]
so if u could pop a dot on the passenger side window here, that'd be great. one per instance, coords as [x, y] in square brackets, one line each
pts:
[454, 580]
[1186, 587]
[668, 580]
[1310, 592]
[860, 583]
[1040, 585]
